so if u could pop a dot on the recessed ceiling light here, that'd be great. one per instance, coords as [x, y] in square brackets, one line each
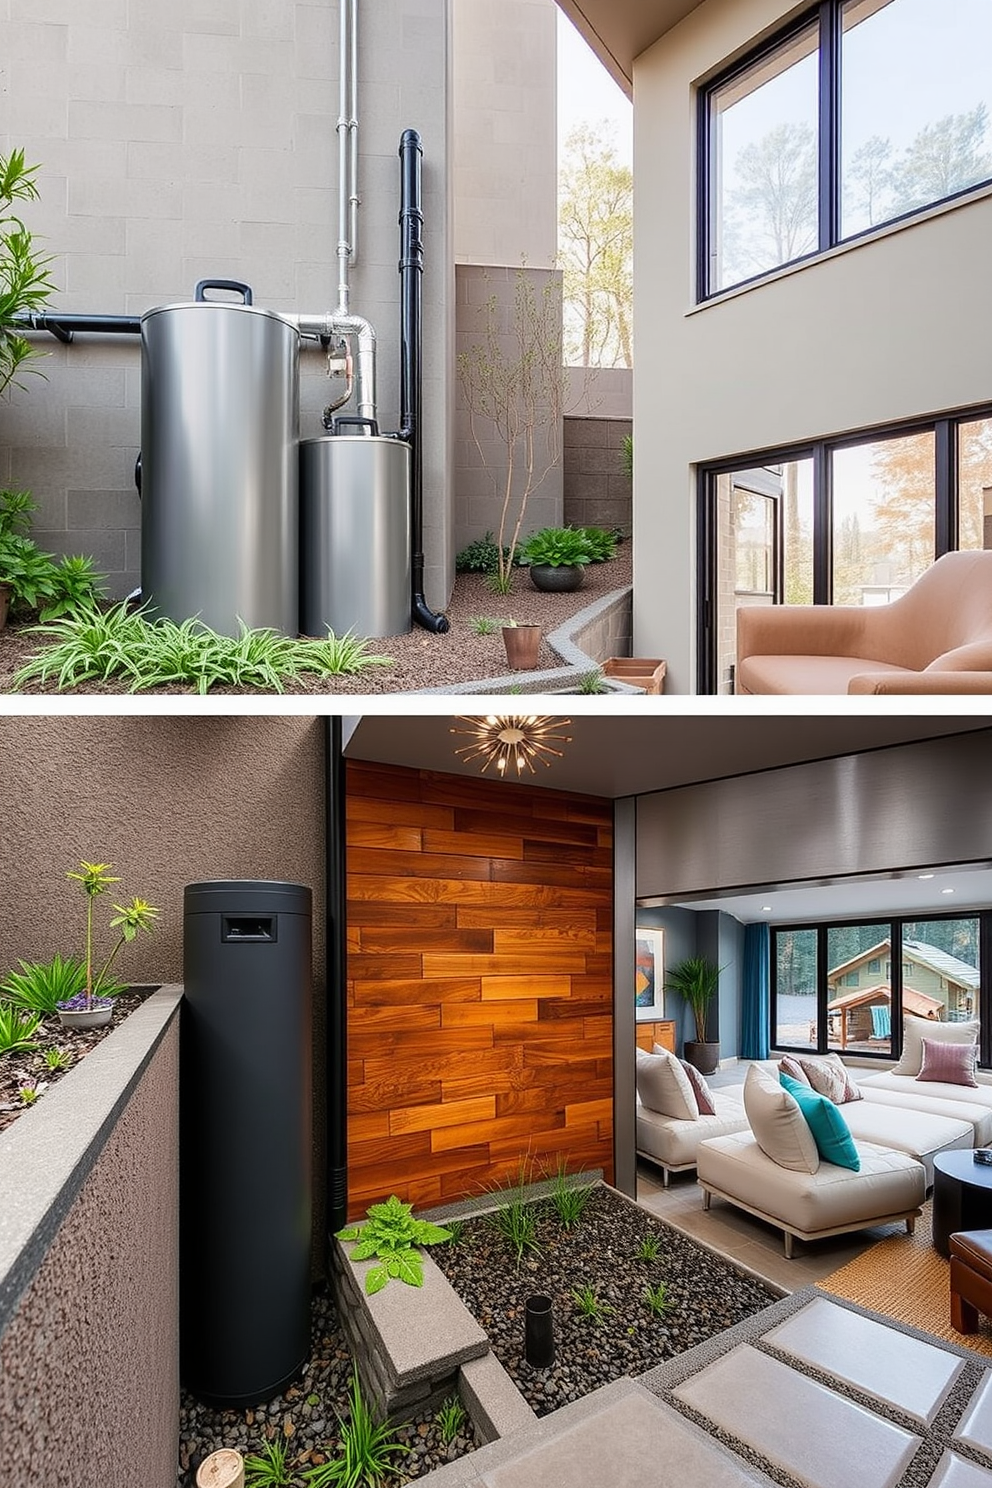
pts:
[947, 891]
[766, 908]
[926, 875]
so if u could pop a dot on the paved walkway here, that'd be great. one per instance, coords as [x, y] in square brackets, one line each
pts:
[812, 1392]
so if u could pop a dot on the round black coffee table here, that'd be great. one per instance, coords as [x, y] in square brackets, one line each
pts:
[962, 1196]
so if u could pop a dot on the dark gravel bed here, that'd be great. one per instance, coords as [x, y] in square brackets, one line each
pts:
[419, 659]
[306, 1416]
[705, 1295]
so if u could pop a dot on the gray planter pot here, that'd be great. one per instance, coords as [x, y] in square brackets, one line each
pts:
[705, 1057]
[561, 580]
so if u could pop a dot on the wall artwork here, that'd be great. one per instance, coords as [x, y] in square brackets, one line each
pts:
[649, 974]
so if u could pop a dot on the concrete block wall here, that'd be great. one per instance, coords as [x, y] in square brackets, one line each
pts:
[596, 491]
[198, 140]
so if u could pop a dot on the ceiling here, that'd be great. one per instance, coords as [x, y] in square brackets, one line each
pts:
[618, 30]
[618, 755]
[621, 755]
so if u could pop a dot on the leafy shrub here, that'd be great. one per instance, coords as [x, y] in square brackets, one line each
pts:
[558, 547]
[40, 986]
[602, 543]
[392, 1234]
[482, 556]
[36, 579]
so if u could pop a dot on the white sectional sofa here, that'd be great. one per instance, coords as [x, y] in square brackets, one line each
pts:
[896, 1121]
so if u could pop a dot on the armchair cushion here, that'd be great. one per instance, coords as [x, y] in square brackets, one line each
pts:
[779, 1126]
[663, 1085]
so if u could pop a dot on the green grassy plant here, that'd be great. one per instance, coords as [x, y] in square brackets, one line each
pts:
[40, 986]
[17, 1030]
[658, 1299]
[91, 645]
[451, 1418]
[456, 1231]
[31, 1090]
[569, 1200]
[592, 682]
[589, 1305]
[366, 1449]
[268, 1468]
[515, 1220]
[56, 1059]
[482, 625]
[392, 1235]
[649, 1248]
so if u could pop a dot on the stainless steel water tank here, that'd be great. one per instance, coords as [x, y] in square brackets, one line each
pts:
[219, 463]
[355, 542]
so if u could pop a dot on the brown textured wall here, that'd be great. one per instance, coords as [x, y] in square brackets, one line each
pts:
[168, 800]
[89, 1363]
[480, 1017]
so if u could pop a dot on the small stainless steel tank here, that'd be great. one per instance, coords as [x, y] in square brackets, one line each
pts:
[219, 463]
[355, 540]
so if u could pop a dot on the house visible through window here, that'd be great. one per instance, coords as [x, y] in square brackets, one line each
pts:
[862, 112]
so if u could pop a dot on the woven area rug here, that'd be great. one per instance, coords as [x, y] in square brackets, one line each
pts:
[904, 1278]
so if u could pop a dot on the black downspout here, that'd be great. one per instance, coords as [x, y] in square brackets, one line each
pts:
[336, 1051]
[411, 355]
[65, 326]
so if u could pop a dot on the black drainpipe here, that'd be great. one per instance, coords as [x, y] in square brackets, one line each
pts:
[336, 1055]
[65, 326]
[411, 358]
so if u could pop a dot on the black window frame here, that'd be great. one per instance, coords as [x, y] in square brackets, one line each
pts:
[828, 16]
[945, 427]
[896, 924]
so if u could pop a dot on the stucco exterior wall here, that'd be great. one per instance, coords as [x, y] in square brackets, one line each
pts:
[880, 331]
[198, 141]
[90, 1358]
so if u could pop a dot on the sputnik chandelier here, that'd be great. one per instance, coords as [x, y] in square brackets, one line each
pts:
[512, 742]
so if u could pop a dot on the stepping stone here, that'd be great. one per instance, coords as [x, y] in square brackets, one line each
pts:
[819, 1437]
[635, 1441]
[975, 1426]
[879, 1361]
[957, 1472]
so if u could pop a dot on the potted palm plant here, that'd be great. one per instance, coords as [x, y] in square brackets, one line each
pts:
[696, 980]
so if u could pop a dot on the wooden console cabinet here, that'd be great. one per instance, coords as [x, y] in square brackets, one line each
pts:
[661, 1032]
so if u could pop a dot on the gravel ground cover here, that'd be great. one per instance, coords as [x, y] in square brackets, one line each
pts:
[419, 659]
[30, 1071]
[305, 1418]
[703, 1294]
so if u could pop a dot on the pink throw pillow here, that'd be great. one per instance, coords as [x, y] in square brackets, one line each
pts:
[700, 1089]
[950, 1064]
[791, 1067]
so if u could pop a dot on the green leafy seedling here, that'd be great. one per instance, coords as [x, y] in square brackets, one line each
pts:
[269, 1468]
[649, 1248]
[391, 1234]
[658, 1299]
[451, 1418]
[17, 1030]
[366, 1449]
[589, 1305]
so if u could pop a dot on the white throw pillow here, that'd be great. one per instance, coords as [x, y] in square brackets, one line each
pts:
[779, 1127]
[828, 1076]
[663, 1085]
[915, 1030]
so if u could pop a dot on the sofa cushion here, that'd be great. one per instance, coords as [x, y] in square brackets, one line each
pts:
[805, 674]
[674, 1143]
[779, 1127]
[828, 1075]
[953, 1064]
[663, 1086]
[700, 1089]
[915, 1030]
[958, 1101]
[919, 1133]
[830, 1131]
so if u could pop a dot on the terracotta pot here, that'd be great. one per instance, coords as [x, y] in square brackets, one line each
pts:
[5, 593]
[562, 579]
[522, 644]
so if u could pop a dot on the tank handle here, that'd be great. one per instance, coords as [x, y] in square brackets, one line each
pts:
[365, 423]
[233, 284]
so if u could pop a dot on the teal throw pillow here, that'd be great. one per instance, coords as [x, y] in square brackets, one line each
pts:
[830, 1131]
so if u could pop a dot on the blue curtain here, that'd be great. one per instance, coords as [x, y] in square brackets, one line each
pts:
[756, 993]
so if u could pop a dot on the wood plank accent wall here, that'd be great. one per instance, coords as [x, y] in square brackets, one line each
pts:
[480, 991]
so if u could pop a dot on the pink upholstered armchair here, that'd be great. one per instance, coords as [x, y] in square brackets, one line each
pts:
[936, 638]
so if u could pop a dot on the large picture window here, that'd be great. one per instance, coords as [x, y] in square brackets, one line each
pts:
[845, 986]
[863, 112]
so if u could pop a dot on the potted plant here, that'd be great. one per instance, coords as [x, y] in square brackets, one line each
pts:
[696, 980]
[89, 1008]
[522, 644]
[557, 558]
